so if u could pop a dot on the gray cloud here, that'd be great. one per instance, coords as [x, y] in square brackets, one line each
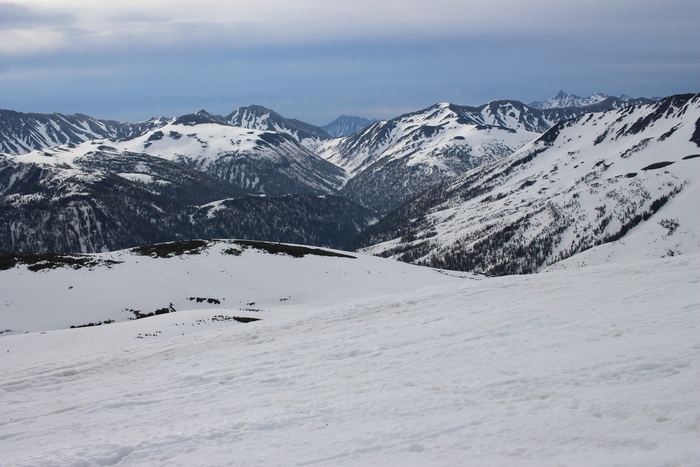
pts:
[314, 59]
[18, 16]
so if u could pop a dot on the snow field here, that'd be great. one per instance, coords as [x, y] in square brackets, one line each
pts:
[252, 280]
[591, 366]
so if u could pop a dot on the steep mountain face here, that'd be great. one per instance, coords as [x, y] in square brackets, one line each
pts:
[346, 125]
[21, 133]
[357, 151]
[105, 200]
[256, 161]
[590, 180]
[257, 117]
[563, 99]
[59, 207]
[392, 160]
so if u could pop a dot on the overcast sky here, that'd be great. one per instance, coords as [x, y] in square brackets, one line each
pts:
[316, 59]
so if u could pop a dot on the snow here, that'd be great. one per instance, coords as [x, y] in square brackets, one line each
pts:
[267, 282]
[407, 140]
[204, 142]
[593, 164]
[366, 362]
[137, 177]
[210, 148]
[571, 100]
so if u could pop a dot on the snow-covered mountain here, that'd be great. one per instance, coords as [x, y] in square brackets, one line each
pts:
[379, 167]
[21, 133]
[257, 117]
[346, 125]
[257, 161]
[407, 154]
[392, 160]
[24, 132]
[104, 199]
[353, 361]
[595, 179]
[563, 99]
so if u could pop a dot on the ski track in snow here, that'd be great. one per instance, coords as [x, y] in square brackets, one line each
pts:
[591, 366]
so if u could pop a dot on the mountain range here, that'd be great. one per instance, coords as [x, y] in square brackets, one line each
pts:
[24, 132]
[191, 176]
[393, 160]
[105, 199]
[563, 99]
[627, 177]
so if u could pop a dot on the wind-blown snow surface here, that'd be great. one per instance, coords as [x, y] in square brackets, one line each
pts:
[593, 366]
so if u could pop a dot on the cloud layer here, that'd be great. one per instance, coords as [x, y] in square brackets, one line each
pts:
[316, 59]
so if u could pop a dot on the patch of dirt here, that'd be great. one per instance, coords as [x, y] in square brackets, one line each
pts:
[39, 261]
[168, 250]
[291, 250]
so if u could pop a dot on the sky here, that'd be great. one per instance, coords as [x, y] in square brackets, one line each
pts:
[314, 60]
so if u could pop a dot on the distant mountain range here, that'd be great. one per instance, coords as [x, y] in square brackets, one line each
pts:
[113, 185]
[563, 99]
[392, 160]
[24, 132]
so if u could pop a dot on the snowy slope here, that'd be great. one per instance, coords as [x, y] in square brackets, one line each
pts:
[24, 132]
[414, 132]
[392, 160]
[356, 362]
[60, 201]
[244, 276]
[102, 200]
[422, 134]
[590, 180]
[257, 161]
[258, 117]
[21, 133]
[265, 161]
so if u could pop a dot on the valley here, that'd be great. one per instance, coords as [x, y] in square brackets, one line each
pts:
[506, 284]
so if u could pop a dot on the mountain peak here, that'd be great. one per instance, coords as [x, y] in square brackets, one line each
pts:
[257, 117]
[346, 125]
[563, 100]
